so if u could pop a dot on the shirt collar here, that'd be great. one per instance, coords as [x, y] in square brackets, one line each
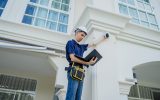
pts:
[75, 42]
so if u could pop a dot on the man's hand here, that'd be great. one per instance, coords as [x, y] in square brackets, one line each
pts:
[100, 40]
[75, 59]
[92, 61]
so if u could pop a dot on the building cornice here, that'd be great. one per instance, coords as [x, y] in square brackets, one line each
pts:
[94, 17]
[120, 26]
[32, 34]
[140, 35]
[43, 50]
[139, 40]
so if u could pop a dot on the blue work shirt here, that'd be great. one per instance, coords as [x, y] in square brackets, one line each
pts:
[72, 47]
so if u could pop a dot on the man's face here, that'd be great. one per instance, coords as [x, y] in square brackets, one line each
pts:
[79, 36]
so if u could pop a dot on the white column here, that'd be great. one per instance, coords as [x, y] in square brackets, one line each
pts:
[61, 94]
[105, 78]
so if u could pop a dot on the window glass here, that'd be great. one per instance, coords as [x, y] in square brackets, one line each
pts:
[133, 12]
[62, 28]
[50, 14]
[63, 18]
[44, 2]
[146, 1]
[148, 7]
[152, 19]
[42, 13]
[55, 5]
[30, 10]
[34, 1]
[40, 22]
[131, 2]
[57, 0]
[143, 16]
[140, 0]
[51, 25]
[3, 3]
[53, 16]
[1, 10]
[65, 1]
[64, 7]
[17, 88]
[27, 19]
[123, 9]
[123, 0]
[140, 5]
[141, 13]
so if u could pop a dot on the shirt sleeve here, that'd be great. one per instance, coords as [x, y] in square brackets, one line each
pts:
[84, 46]
[70, 47]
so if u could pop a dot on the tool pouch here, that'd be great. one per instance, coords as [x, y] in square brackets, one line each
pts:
[77, 72]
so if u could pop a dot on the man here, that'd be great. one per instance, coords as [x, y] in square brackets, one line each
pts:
[74, 90]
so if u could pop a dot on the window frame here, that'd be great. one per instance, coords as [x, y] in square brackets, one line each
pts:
[17, 86]
[140, 22]
[2, 9]
[47, 20]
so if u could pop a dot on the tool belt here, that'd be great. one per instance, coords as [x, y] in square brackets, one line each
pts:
[77, 72]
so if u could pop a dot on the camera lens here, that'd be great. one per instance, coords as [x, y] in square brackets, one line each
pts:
[107, 35]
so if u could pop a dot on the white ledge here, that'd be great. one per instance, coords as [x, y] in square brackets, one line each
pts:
[33, 34]
[124, 87]
[97, 19]
[103, 19]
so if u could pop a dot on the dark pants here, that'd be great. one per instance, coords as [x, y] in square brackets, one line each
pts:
[74, 90]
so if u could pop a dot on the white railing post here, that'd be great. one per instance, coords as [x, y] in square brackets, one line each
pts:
[61, 94]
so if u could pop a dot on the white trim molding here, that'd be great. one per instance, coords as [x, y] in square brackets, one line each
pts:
[103, 20]
[33, 34]
[151, 43]
[120, 26]
[124, 87]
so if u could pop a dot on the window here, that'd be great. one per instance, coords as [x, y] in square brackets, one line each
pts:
[2, 5]
[139, 92]
[50, 14]
[17, 88]
[144, 4]
[140, 11]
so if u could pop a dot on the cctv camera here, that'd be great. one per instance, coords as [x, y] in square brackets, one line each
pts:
[107, 35]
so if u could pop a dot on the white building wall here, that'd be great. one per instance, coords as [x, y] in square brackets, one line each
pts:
[129, 55]
[107, 5]
[79, 6]
[61, 77]
[87, 87]
[15, 10]
[118, 51]
[119, 56]
[107, 84]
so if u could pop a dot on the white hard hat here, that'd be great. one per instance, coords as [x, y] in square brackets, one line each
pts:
[82, 29]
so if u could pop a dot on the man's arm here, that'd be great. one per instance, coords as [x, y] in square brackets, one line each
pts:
[75, 59]
[97, 42]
